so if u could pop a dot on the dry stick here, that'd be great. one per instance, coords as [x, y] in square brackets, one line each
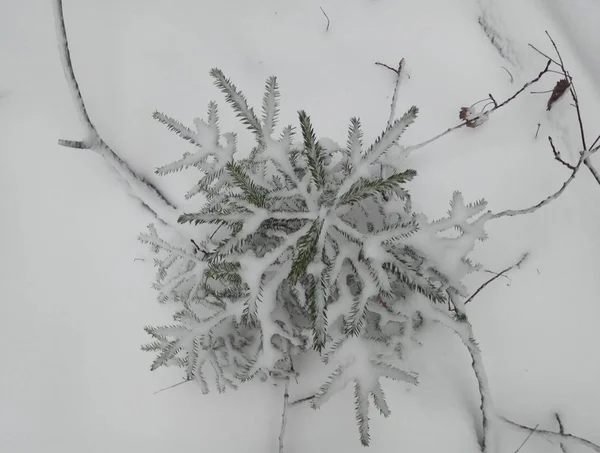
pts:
[575, 97]
[537, 130]
[497, 276]
[395, 95]
[144, 191]
[326, 17]
[511, 76]
[487, 406]
[557, 155]
[527, 438]
[443, 318]
[496, 107]
[561, 430]
[595, 141]
[302, 400]
[286, 397]
[567, 439]
[548, 199]
[386, 66]
[173, 386]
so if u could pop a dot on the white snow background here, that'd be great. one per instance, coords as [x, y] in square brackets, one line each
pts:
[74, 301]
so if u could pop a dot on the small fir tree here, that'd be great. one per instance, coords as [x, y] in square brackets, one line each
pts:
[315, 247]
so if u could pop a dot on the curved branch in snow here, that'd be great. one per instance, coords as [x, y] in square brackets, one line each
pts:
[139, 188]
[464, 329]
[486, 114]
[511, 212]
[286, 397]
[568, 440]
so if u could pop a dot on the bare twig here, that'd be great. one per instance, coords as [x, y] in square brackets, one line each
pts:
[286, 397]
[493, 100]
[541, 92]
[387, 66]
[77, 144]
[548, 199]
[508, 269]
[511, 76]
[566, 439]
[537, 130]
[557, 155]
[173, 386]
[561, 430]
[527, 85]
[543, 54]
[595, 141]
[467, 336]
[489, 112]
[326, 17]
[395, 95]
[144, 191]
[575, 97]
[302, 400]
[527, 438]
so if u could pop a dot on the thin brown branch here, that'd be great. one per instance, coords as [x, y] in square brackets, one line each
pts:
[173, 386]
[302, 400]
[527, 438]
[573, 91]
[543, 54]
[489, 112]
[567, 439]
[326, 17]
[537, 130]
[467, 336]
[557, 155]
[77, 144]
[387, 66]
[548, 199]
[595, 141]
[497, 276]
[286, 397]
[528, 84]
[395, 95]
[512, 79]
[561, 430]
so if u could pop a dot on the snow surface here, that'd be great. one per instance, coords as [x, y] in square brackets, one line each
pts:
[75, 298]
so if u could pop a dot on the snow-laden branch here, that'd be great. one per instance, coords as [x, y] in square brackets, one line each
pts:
[512, 212]
[144, 191]
[286, 398]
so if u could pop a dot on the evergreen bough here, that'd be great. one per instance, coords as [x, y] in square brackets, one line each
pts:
[315, 247]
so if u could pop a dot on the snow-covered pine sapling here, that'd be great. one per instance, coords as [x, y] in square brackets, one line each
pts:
[313, 246]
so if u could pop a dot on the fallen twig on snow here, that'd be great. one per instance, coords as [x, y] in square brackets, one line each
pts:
[526, 439]
[547, 200]
[144, 191]
[173, 386]
[326, 17]
[286, 397]
[511, 76]
[557, 155]
[561, 430]
[563, 438]
[573, 91]
[508, 269]
[467, 336]
[395, 95]
[486, 114]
